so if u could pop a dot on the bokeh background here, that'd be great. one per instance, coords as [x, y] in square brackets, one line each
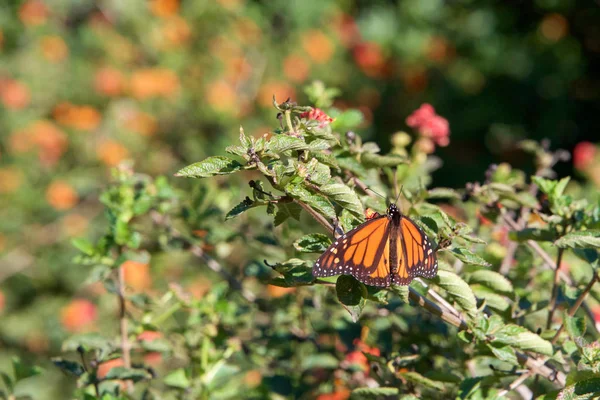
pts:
[86, 84]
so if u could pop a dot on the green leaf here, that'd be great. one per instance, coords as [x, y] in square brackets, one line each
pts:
[318, 145]
[492, 299]
[459, 290]
[586, 389]
[351, 293]
[523, 339]
[70, 367]
[23, 371]
[316, 201]
[373, 393]
[122, 373]
[420, 379]
[580, 240]
[84, 246]
[240, 208]
[468, 257]
[282, 143]
[344, 196]
[346, 120]
[286, 210]
[492, 280]
[8, 382]
[402, 292]
[504, 353]
[313, 243]
[319, 360]
[212, 166]
[539, 235]
[443, 193]
[370, 160]
[177, 379]
[575, 326]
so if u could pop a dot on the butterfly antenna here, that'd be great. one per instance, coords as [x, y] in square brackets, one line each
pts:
[399, 193]
[378, 194]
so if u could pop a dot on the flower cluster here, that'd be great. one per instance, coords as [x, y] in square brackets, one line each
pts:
[430, 125]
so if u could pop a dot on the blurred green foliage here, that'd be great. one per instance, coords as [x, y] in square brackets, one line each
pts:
[86, 86]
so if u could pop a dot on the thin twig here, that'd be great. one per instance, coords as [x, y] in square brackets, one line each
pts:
[125, 345]
[577, 304]
[196, 250]
[516, 383]
[320, 219]
[555, 284]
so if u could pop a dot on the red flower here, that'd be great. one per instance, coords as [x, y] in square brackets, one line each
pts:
[583, 155]
[358, 356]
[430, 125]
[318, 115]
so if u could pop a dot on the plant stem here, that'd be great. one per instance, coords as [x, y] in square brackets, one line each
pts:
[577, 304]
[320, 219]
[288, 121]
[125, 345]
[555, 285]
[516, 383]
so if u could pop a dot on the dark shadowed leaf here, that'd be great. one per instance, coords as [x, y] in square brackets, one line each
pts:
[287, 210]
[210, 167]
[316, 201]
[417, 378]
[70, 367]
[539, 235]
[504, 353]
[239, 209]
[122, 373]
[585, 389]
[575, 326]
[351, 293]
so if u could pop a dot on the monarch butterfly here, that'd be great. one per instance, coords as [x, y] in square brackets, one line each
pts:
[384, 250]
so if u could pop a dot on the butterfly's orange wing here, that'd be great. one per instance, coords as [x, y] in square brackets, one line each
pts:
[363, 253]
[416, 256]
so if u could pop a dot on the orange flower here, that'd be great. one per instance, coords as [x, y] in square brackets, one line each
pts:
[149, 336]
[318, 46]
[278, 291]
[554, 27]
[198, 288]
[61, 195]
[347, 30]
[164, 8]
[84, 118]
[137, 275]
[106, 366]
[51, 141]
[282, 91]
[112, 153]
[2, 301]
[221, 96]
[238, 69]
[10, 179]
[296, 68]
[54, 49]
[370, 59]
[175, 32]
[253, 378]
[142, 123]
[247, 31]
[109, 81]
[15, 95]
[154, 82]
[33, 13]
[75, 225]
[439, 49]
[79, 315]
[341, 393]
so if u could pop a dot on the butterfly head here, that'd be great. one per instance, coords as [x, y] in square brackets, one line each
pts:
[393, 212]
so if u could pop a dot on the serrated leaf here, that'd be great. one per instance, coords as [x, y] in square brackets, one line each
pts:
[313, 243]
[318, 145]
[492, 299]
[415, 377]
[492, 280]
[239, 209]
[344, 196]
[373, 393]
[459, 290]
[282, 143]
[504, 353]
[212, 166]
[523, 339]
[326, 158]
[443, 193]
[580, 240]
[468, 257]
[582, 390]
[178, 379]
[316, 201]
[287, 210]
[381, 161]
[236, 150]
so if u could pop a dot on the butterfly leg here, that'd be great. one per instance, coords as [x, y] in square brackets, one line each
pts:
[337, 229]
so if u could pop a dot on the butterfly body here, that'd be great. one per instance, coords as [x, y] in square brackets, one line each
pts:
[384, 250]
